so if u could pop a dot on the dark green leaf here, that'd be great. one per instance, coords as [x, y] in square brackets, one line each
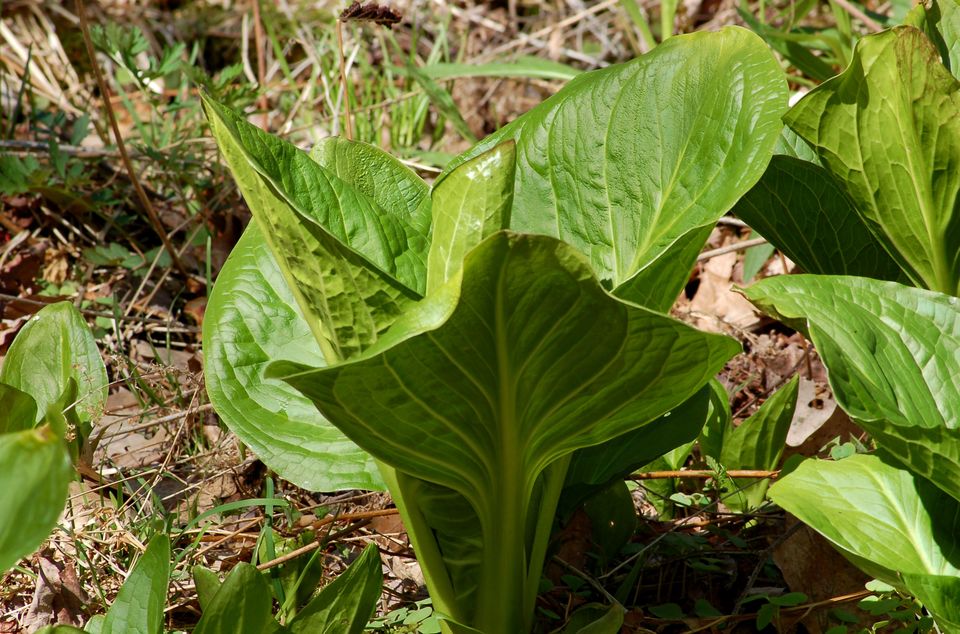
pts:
[138, 608]
[347, 603]
[19, 410]
[801, 209]
[243, 604]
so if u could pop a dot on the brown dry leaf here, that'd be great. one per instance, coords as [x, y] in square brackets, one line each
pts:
[124, 448]
[715, 305]
[56, 265]
[812, 566]
[57, 596]
[391, 537]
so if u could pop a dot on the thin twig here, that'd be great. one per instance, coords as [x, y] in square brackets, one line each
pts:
[348, 124]
[121, 147]
[704, 474]
[293, 554]
[868, 22]
[730, 248]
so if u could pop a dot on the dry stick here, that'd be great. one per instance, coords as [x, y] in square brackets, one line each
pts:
[348, 124]
[121, 148]
[730, 248]
[869, 22]
[262, 102]
[293, 554]
[704, 474]
[4, 297]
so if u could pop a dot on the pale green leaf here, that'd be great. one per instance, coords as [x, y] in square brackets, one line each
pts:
[893, 524]
[524, 66]
[893, 356]
[138, 607]
[347, 603]
[888, 128]
[53, 347]
[470, 204]
[801, 209]
[352, 264]
[252, 318]
[487, 385]
[34, 472]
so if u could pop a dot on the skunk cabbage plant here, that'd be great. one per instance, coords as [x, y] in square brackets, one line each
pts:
[874, 212]
[471, 338]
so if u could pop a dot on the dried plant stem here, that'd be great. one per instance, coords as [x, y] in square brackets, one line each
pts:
[121, 148]
[703, 474]
[347, 121]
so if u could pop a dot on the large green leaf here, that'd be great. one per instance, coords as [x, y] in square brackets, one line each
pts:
[758, 443]
[893, 524]
[242, 604]
[802, 210]
[893, 357]
[55, 346]
[353, 264]
[888, 128]
[347, 603]
[138, 608]
[34, 472]
[471, 203]
[252, 318]
[485, 387]
[627, 161]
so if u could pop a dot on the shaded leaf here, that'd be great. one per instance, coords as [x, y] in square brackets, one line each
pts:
[347, 603]
[243, 604]
[19, 410]
[801, 209]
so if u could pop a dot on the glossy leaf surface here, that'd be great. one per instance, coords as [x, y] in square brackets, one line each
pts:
[888, 128]
[801, 209]
[35, 470]
[894, 525]
[626, 161]
[470, 204]
[489, 381]
[892, 354]
[252, 318]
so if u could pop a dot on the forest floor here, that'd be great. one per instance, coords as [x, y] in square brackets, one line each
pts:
[84, 220]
